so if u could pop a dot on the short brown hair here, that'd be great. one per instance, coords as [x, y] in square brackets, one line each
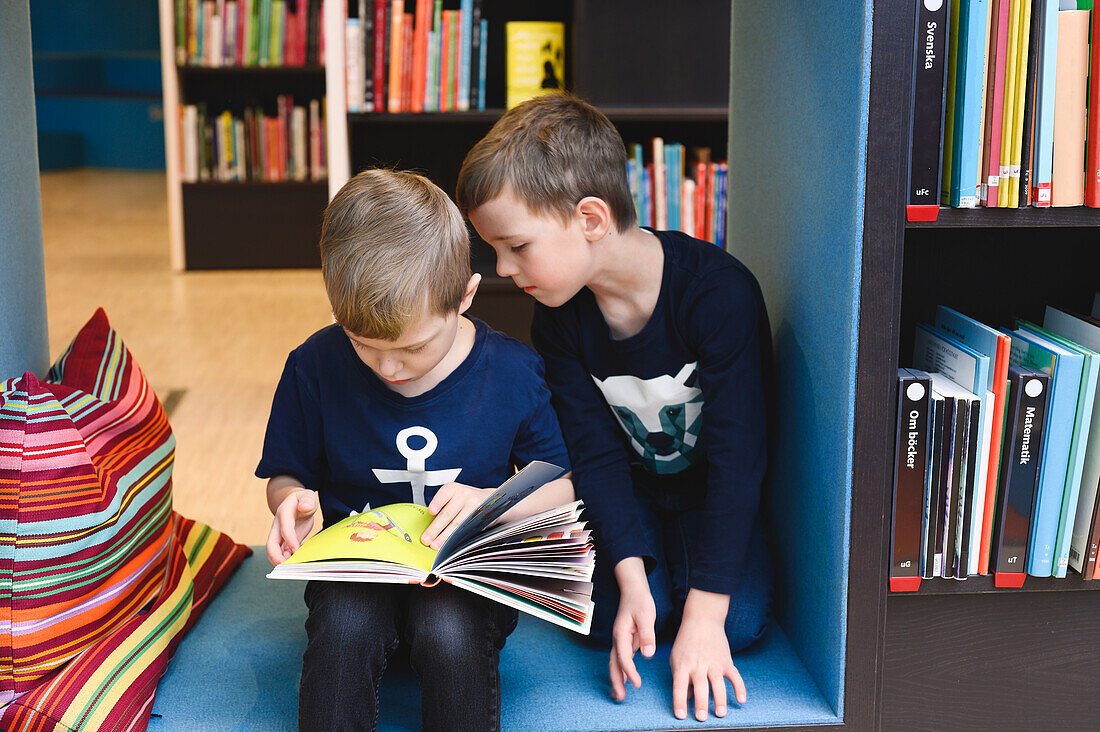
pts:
[392, 243]
[553, 151]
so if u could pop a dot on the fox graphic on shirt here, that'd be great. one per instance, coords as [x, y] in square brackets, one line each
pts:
[662, 416]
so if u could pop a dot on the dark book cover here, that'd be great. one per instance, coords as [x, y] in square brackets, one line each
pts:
[475, 53]
[367, 21]
[965, 515]
[931, 520]
[1021, 458]
[929, 89]
[956, 469]
[943, 486]
[910, 478]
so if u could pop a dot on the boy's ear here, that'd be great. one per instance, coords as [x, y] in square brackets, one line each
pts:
[595, 217]
[471, 290]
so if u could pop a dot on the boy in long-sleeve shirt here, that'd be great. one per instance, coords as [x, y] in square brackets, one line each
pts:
[654, 344]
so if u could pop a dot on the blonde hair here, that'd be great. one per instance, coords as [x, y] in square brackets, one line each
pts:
[553, 151]
[392, 243]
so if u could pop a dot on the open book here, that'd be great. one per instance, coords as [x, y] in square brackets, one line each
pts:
[540, 564]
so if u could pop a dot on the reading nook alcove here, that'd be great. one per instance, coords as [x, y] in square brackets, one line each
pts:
[798, 120]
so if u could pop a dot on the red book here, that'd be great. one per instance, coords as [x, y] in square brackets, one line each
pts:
[244, 8]
[1000, 386]
[397, 28]
[455, 84]
[380, 55]
[445, 102]
[700, 200]
[407, 43]
[290, 43]
[994, 107]
[1092, 147]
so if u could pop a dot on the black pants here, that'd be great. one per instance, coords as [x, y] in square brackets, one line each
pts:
[453, 636]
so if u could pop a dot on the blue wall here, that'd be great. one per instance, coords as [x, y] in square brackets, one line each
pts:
[798, 118]
[97, 83]
[23, 342]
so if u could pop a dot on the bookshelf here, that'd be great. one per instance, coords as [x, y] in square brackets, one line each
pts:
[961, 654]
[647, 81]
[239, 224]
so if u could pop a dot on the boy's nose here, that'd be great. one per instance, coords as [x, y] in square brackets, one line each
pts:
[505, 268]
[389, 366]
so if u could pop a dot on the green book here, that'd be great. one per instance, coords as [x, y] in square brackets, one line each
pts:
[278, 32]
[265, 32]
[452, 61]
[949, 112]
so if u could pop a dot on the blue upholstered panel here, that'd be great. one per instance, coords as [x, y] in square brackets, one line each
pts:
[23, 342]
[798, 118]
[238, 669]
[116, 131]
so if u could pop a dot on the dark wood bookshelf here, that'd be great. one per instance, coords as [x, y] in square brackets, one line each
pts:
[981, 584]
[308, 185]
[965, 654]
[195, 70]
[624, 114]
[1030, 217]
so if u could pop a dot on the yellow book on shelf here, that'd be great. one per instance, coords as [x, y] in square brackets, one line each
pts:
[1011, 69]
[535, 54]
[1018, 108]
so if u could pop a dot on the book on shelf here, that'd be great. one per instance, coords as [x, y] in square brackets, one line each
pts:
[217, 33]
[535, 59]
[936, 350]
[926, 123]
[1028, 391]
[996, 72]
[966, 66]
[1043, 135]
[1092, 149]
[418, 57]
[540, 564]
[1086, 394]
[1020, 190]
[912, 479]
[1070, 118]
[960, 474]
[256, 146]
[1064, 367]
[933, 515]
[676, 192]
[995, 346]
[1084, 331]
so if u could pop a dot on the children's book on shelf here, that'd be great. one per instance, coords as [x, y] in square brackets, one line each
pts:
[1092, 150]
[932, 518]
[1084, 331]
[1090, 369]
[1064, 367]
[912, 478]
[926, 125]
[541, 564]
[1028, 394]
[961, 473]
[535, 59]
[936, 350]
[1070, 118]
[966, 67]
[994, 345]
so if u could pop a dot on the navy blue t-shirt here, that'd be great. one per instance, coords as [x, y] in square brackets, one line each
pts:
[678, 406]
[337, 428]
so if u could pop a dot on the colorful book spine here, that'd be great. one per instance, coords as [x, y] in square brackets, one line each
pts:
[465, 44]
[445, 56]
[456, 58]
[1028, 392]
[912, 479]
[353, 70]
[720, 219]
[1009, 192]
[1030, 107]
[420, 54]
[994, 105]
[1029, 349]
[483, 58]
[1045, 72]
[378, 70]
[396, 54]
[966, 138]
[406, 61]
[1070, 117]
[926, 125]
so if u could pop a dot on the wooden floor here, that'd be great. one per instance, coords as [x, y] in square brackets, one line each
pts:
[214, 341]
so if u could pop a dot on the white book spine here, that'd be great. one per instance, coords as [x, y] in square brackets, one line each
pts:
[298, 125]
[190, 135]
[356, 82]
[687, 202]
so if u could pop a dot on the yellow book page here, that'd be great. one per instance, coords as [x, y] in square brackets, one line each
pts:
[390, 534]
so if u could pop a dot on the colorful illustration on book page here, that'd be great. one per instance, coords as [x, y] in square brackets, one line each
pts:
[390, 534]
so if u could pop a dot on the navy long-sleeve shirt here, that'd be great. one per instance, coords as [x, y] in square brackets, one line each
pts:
[681, 400]
[339, 430]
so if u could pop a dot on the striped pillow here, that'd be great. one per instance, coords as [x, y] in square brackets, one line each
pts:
[86, 522]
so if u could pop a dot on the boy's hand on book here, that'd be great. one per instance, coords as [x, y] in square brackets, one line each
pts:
[633, 627]
[292, 524]
[701, 657]
[452, 503]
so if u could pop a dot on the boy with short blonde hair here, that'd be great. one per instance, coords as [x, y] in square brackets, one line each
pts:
[656, 337]
[404, 399]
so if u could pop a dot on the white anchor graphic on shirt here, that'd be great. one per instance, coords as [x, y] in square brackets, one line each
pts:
[416, 474]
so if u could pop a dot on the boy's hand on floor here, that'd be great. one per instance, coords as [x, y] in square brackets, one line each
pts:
[701, 657]
[451, 505]
[633, 627]
[292, 524]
